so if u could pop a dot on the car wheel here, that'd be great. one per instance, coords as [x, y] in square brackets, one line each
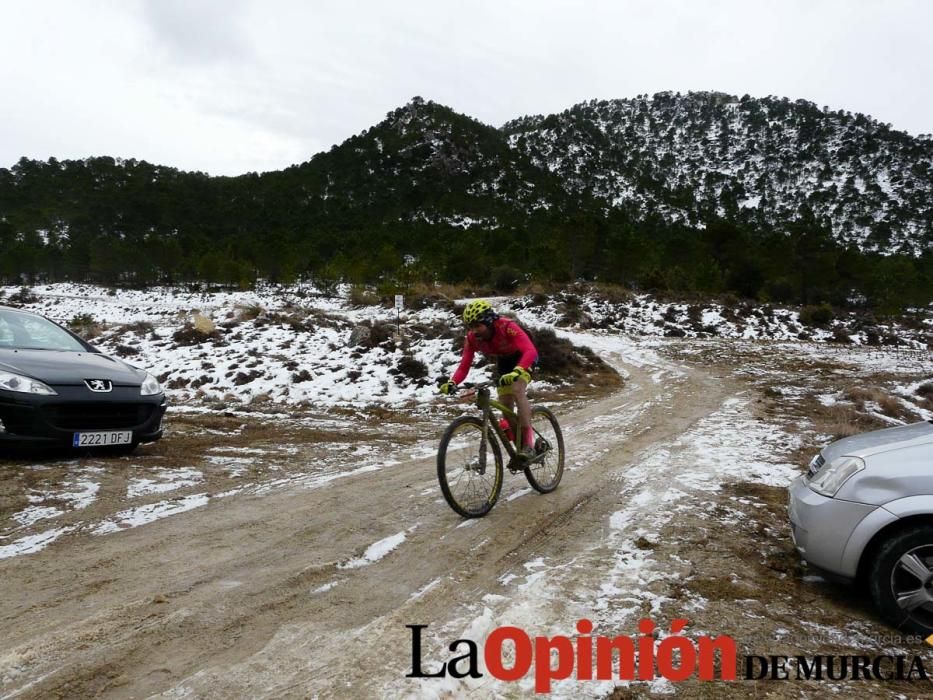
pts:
[901, 580]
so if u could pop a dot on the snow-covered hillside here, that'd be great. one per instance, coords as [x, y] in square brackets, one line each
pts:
[690, 157]
[281, 345]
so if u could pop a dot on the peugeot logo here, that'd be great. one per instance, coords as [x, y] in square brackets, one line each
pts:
[100, 386]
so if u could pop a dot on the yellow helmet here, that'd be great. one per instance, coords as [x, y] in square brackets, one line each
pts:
[478, 310]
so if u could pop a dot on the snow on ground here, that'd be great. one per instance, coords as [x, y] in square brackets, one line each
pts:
[32, 543]
[83, 495]
[375, 551]
[671, 480]
[285, 347]
[293, 345]
[667, 482]
[164, 480]
[297, 349]
[74, 494]
[141, 515]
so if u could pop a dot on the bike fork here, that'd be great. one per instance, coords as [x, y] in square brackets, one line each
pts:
[482, 443]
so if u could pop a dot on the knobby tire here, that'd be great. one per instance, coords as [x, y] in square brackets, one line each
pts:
[469, 490]
[545, 475]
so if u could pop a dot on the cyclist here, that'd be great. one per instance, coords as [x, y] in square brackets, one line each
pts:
[515, 355]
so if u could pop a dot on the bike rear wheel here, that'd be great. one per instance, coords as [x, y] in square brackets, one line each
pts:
[544, 473]
[469, 468]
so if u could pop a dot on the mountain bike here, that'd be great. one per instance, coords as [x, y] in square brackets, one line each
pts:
[469, 458]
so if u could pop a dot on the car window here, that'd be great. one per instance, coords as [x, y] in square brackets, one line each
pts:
[25, 331]
[6, 332]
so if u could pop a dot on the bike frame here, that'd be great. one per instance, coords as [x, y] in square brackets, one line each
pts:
[487, 405]
[462, 465]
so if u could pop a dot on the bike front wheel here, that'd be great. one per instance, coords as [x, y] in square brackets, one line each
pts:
[469, 467]
[544, 473]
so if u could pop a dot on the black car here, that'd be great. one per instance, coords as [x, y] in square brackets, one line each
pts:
[58, 390]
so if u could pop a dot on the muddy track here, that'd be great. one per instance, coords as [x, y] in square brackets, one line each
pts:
[273, 594]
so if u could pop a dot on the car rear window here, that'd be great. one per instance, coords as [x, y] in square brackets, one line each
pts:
[26, 331]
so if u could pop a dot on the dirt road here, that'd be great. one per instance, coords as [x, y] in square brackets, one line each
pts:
[304, 585]
[299, 551]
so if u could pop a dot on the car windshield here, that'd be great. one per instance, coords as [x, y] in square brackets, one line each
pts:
[28, 332]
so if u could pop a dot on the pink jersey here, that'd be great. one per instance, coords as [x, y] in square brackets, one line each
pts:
[507, 339]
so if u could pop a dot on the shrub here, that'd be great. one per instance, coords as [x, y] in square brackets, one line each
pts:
[301, 376]
[190, 335]
[574, 316]
[419, 300]
[361, 296]
[613, 294]
[859, 395]
[22, 297]
[843, 421]
[202, 324]
[410, 367]
[85, 325]
[925, 390]
[895, 408]
[889, 405]
[242, 378]
[248, 312]
[817, 315]
[780, 290]
[139, 328]
[695, 316]
[729, 301]
[368, 334]
[560, 359]
[505, 278]
[841, 335]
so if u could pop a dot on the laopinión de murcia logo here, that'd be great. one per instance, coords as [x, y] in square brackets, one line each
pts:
[510, 654]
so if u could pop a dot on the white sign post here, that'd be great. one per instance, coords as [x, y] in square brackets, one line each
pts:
[399, 305]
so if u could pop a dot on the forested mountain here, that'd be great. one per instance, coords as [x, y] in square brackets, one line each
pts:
[755, 161]
[702, 192]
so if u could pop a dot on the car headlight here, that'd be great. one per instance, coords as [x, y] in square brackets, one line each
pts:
[828, 480]
[25, 385]
[150, 386]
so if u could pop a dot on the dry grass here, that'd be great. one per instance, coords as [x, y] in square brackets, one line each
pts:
[535, 289]
[889, 404]
[142, 328]
[12, 496]
[842, 420]
[85, 326]
[451, 291]
[361, 296]
[202, 324]
[612, 293]
[248, 312]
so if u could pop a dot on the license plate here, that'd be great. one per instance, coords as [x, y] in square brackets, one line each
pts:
[97, 439]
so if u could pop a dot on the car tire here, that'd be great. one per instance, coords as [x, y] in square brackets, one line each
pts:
[901, 580]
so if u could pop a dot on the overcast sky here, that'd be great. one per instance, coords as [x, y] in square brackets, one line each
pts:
[232, 86]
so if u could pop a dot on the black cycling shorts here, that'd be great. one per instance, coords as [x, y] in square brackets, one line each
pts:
[506, 363]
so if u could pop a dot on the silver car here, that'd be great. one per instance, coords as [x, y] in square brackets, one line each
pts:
[864, 512]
